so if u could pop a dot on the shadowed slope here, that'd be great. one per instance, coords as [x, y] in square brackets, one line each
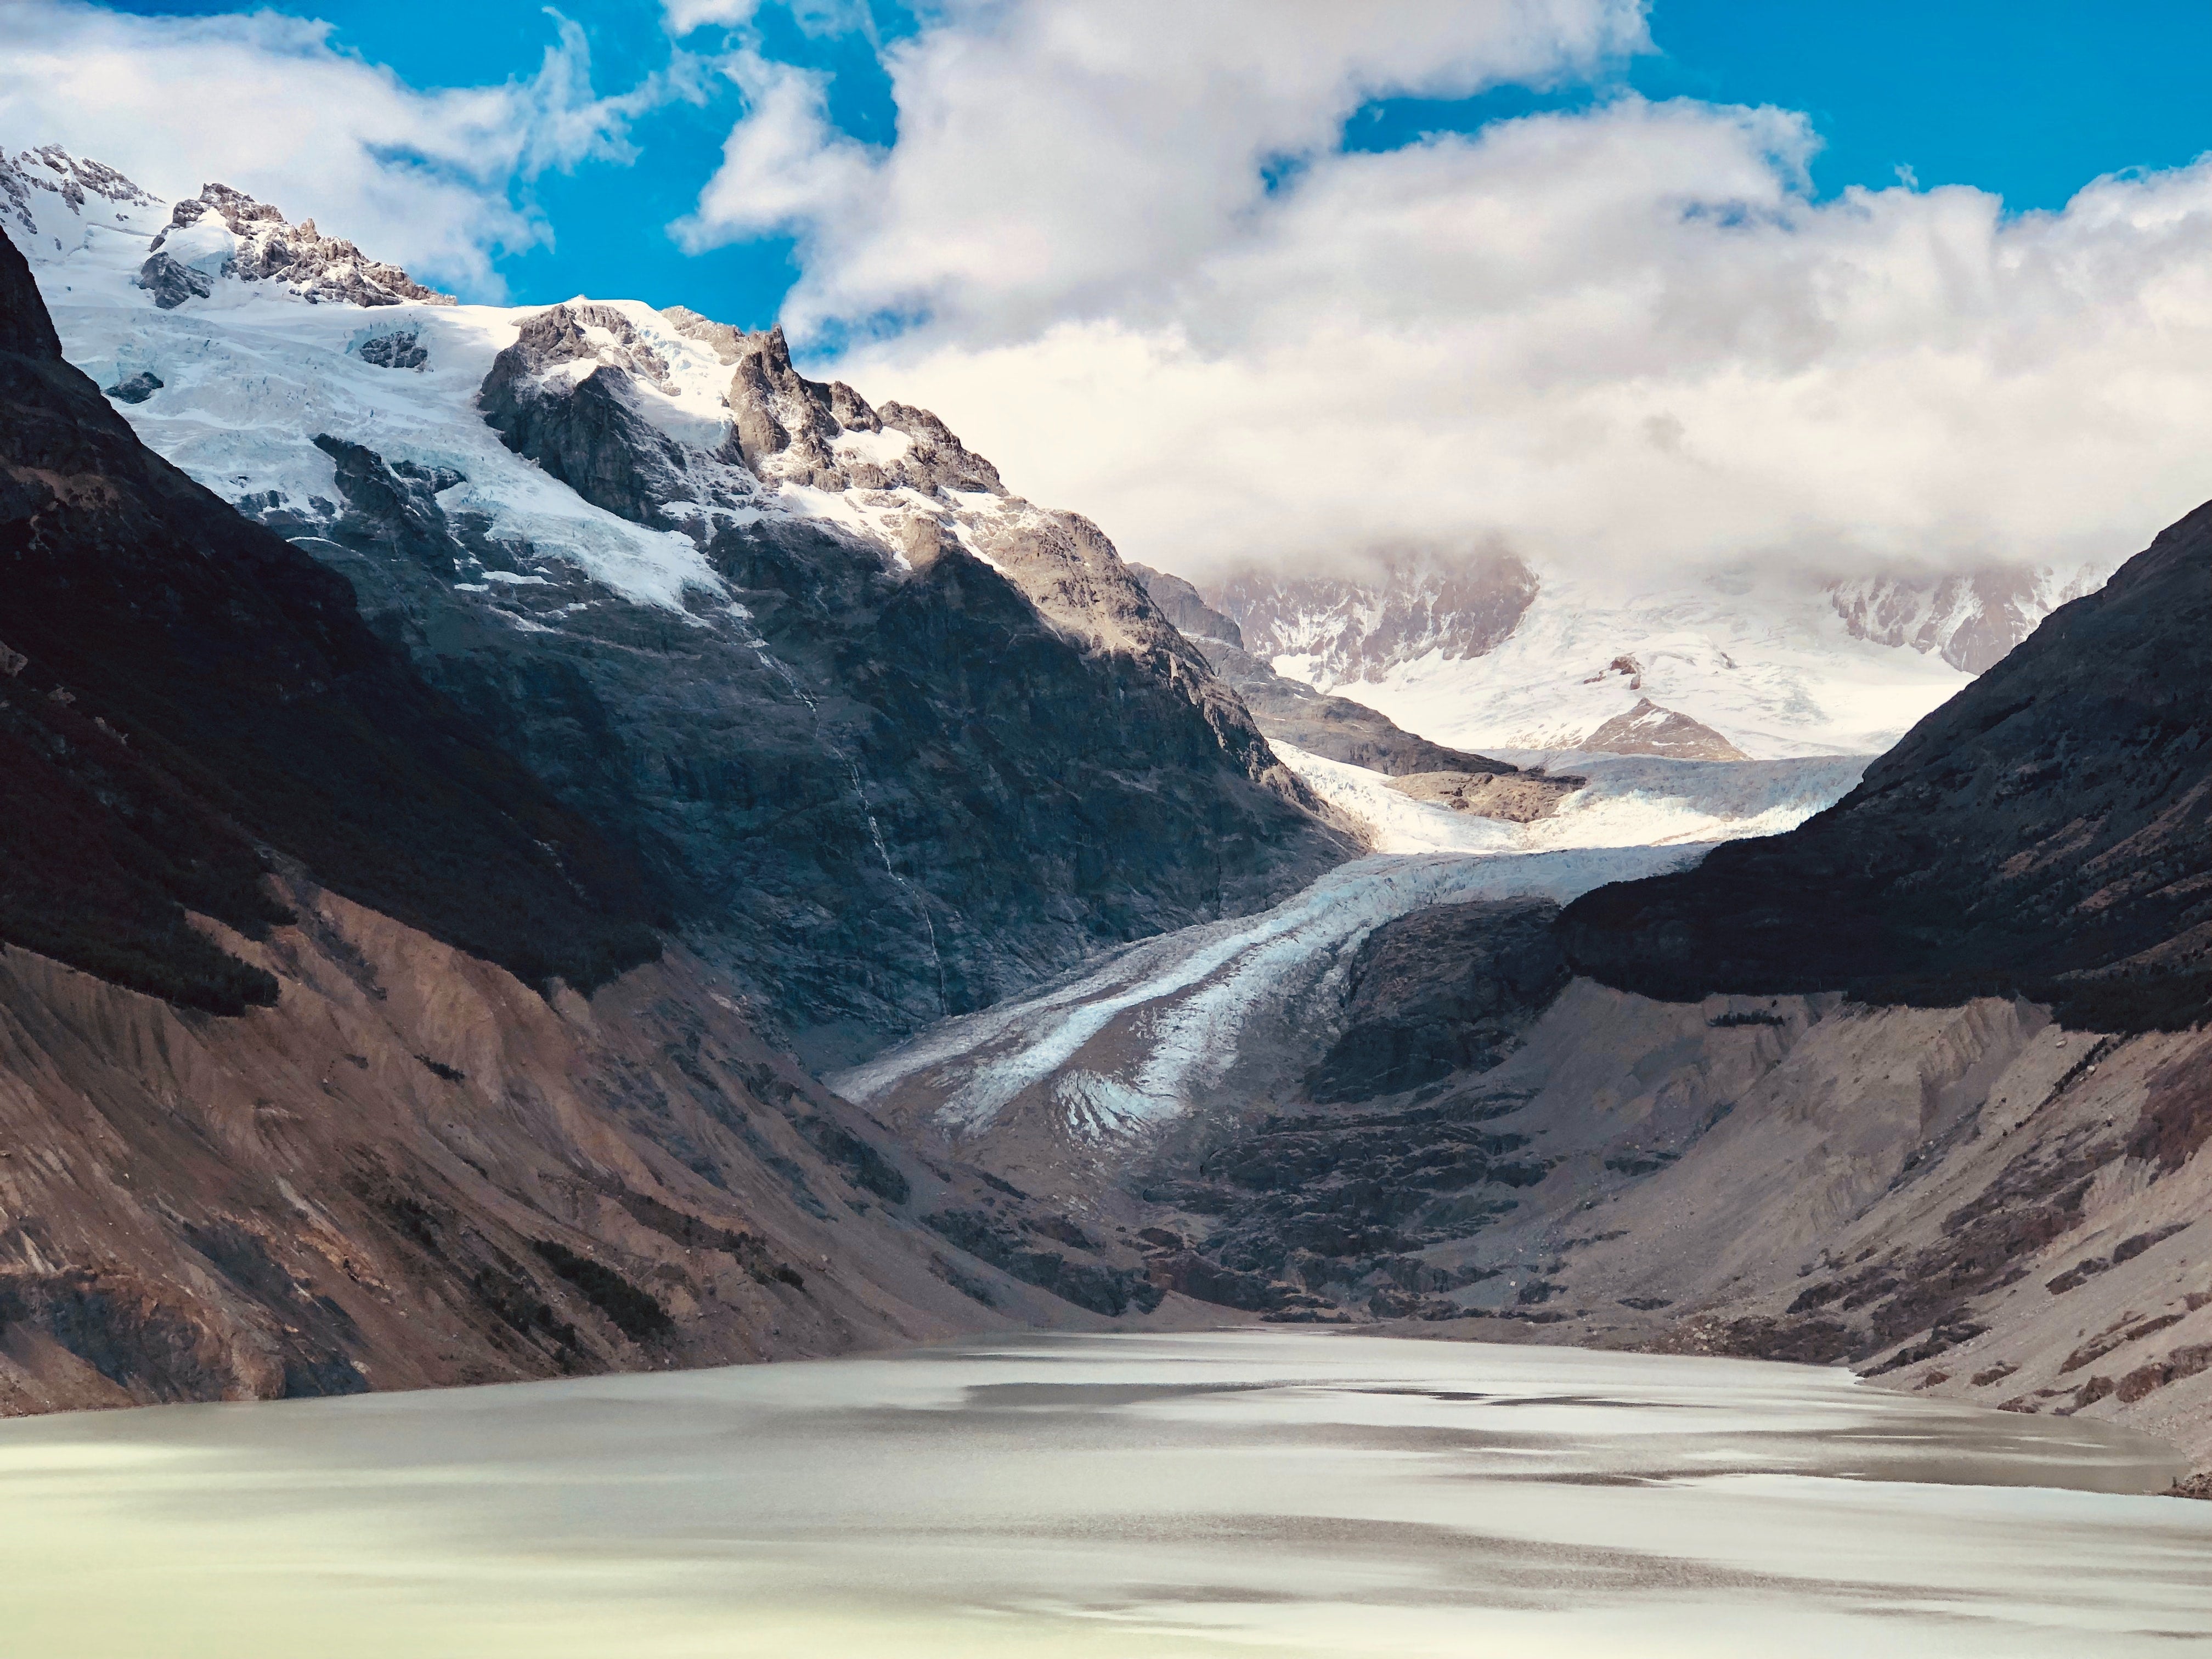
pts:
[186, 694]
[2048, 831]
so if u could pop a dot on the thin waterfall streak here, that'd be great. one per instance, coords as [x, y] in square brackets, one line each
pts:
[916, 896]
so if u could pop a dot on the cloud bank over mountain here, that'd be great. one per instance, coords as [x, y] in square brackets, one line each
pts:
[1147, 257]
[1626, 336]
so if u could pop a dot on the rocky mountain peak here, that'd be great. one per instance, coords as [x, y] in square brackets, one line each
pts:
[1970, 619]
[1359, 627]
[223, 231]
[1648, 729]
[72, 180]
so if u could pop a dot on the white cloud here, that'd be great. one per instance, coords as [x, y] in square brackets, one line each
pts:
[264, 102]
[785, 167]
[1625, 335]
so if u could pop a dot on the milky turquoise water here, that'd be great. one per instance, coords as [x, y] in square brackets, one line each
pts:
[1123, 1496]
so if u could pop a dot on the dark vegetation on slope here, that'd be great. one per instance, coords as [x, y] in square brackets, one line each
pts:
[2047, 832]
[184, 694]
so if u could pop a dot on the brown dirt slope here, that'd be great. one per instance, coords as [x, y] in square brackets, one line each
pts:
[414, 1169]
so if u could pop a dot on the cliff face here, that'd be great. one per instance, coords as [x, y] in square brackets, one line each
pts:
[184, 698]
[2047, 832]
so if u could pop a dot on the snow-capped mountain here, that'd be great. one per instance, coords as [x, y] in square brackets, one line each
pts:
[1972, 620]
[1486, 653]
[895, 741]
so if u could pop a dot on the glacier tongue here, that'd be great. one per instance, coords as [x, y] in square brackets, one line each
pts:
[1156, 1030]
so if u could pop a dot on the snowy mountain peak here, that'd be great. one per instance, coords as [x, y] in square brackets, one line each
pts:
[1345, 629]
[1969, 620]
[51, 201]
[52, 169]
[223, 231]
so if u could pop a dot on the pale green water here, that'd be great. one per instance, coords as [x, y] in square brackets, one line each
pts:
[1248, 1494]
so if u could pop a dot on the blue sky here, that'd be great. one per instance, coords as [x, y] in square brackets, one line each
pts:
[2029, 98]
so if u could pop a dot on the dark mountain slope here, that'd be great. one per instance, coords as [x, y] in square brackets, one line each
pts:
[1287, 711]
[879, 785]
[2047, 832]
[185, 695]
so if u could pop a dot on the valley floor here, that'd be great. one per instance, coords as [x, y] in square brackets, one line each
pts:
[1969, 1203]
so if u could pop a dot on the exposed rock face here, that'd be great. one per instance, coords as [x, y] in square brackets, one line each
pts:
[1648, 729]
[170, 284]
[1358, 629]
[193, 699]
[1517, 797]
[1970, 620]
[2048, 831]
[1289, 711]
[1442, 990]
[51, 169]
[1186, 607]
[885, 785]
[400, 350]
[136, 389]
[223, 231]
[585, 428]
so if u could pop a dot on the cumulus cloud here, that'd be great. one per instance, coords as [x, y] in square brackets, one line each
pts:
[785, 167]
[264, 103]
[1625, 335]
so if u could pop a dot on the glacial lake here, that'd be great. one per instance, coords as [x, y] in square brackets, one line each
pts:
[1119, 1496]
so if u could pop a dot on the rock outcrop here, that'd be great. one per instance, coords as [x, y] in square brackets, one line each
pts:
[223, 231]
[1971, 619]
[1648, 729]
[1360, 627]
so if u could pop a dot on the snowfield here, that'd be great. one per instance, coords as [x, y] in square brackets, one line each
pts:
[1765, 661]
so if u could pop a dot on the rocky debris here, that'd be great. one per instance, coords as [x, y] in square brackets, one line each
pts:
[1445, 989]
[990, 1235]
[135, 389]
[2127, 1250]
[1648, 729]
[2047, 832]
[400, 350]
[1332, 1207]
[1971, 619]
[1517, 797]
[223, 231]
[292, 1203]
[1359, 627]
